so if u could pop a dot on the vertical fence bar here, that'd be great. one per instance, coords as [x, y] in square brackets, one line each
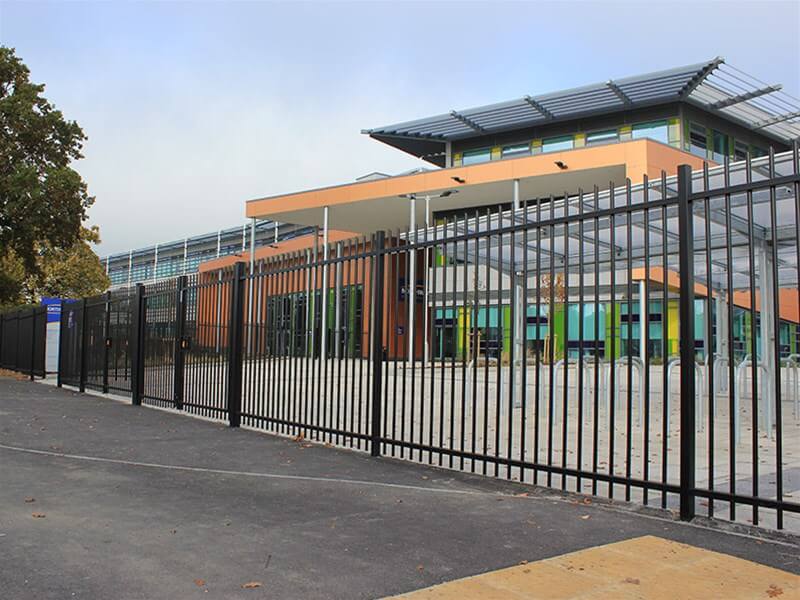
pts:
[776, 325]
[180, 325]
[61, 338]
[106, 340]
[137, 353]
[84, 342]
[33, 342]
[235, 334]
[377, 342]
[686, 318]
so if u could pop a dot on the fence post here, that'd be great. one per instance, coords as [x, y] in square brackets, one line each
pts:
[60, 359]
[106, 341]
[180, 325]
[687, 351]
[377, 343]
[17, 366]
[33, 341]
[137, 354]
[235, 346]
[84, 343]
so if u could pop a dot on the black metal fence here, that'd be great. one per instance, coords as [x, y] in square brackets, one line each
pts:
[23, 340]
[640, 342]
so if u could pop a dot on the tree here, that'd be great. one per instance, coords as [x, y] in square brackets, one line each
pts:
[61, 272]
[43, 201]
[71, 273]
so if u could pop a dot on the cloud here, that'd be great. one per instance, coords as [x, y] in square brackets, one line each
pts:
[193, 108]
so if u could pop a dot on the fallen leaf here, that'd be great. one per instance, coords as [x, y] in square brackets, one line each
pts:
[632, 580]
[199, 582]
[774, 591]
[38, 515]
[250, 585]
[30, 499]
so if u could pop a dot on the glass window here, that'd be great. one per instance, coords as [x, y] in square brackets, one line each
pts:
[698, 140]
[656, 130]
[720, 147]
[756, 152]
[740, 150]
[472, 157]
[516, 150]
[555, 144]
[602, 137]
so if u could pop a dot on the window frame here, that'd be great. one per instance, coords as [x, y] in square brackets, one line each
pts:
[611, 136]
[517, 153]
[466, 154]
[558, 139]
[651, 125]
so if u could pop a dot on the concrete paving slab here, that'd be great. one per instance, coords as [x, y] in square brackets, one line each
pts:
[646, 567]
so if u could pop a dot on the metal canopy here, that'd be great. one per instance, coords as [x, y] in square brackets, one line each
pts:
[712, 85]
[577, 245]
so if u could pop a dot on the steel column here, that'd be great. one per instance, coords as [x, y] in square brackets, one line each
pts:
[323, 351]
[106, 341]
[84, 340]
[687, 352]
[180, 325]
[411, 296]
[60, 359]
[235, 350]
[377, 343]
[137, 345]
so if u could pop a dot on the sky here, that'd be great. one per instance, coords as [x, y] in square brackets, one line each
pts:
[193, 108]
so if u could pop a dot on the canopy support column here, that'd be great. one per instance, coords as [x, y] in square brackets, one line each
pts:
[643, 312]
[767, 314]
[411, 296]
[323, 351]
[425, 308]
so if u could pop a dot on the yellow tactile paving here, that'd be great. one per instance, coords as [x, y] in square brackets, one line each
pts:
[648, 568]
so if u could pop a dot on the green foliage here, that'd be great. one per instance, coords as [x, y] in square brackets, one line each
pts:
[71, 272]
[43, 201]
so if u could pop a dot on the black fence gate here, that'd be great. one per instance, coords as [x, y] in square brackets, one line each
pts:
[641, 342]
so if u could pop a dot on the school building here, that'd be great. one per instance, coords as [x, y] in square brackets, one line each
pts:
[494, 157]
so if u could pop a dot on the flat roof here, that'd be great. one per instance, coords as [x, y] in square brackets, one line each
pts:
[712, 85]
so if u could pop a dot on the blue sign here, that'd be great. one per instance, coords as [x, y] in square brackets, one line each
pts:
[53, 309]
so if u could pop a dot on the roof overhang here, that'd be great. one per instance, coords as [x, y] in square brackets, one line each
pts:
[369, 206]
[712, 85]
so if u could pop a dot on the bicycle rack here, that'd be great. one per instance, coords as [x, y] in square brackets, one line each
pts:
[616, 365]
[699, 386]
